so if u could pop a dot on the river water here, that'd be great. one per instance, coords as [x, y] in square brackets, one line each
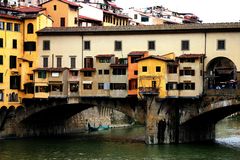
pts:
[123, 144]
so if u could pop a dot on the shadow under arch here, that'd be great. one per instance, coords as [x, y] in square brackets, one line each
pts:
[221, 73]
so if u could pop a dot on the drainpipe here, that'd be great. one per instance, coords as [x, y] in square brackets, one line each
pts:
[52, 60]
[82, 50]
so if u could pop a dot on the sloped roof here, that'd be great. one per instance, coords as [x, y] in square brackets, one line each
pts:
[191, 56]
[141, 29]
[72, 4]
[155, 57]
[30, 9]
[137, 53]
[89, 18]
[104, 55]
[8, 16]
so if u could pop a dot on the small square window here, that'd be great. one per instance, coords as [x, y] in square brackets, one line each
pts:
[87, 45]
[14, 43]
[1, 42]
[135, 72]
[221, 44]
[55, 7]
[106, 71]
[118, 45]
[31, 77]
[144, 69]
[46, 45]
[99, 72]
[9, 26]
[151, 45]
[74, 73]
[185, 45]
[100, 85]
[1, 60]
[30, 64]
[158, 69]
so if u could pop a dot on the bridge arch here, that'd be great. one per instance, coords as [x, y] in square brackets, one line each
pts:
[221, 73]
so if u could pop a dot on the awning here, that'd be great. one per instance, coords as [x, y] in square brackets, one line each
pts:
[87, 82]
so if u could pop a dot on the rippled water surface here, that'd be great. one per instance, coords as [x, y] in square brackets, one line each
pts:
[123, 144]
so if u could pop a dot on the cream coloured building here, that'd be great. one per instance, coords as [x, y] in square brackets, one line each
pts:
[218, 42]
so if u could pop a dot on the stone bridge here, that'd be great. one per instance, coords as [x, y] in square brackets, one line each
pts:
[179, 120]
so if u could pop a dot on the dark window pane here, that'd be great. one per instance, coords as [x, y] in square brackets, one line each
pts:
[29, 46]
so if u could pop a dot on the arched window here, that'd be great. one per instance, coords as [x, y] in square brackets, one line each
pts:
[30, 28]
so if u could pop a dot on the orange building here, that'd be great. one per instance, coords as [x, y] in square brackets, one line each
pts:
[64, 13]
[133, 71]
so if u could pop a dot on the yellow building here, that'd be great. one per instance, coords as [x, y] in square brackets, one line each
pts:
[64, 13]
[18, 52]
[152, 76]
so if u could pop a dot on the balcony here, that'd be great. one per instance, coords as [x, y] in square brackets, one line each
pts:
[149, 90]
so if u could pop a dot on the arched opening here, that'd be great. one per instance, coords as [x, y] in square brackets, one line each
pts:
[30, 28]
[221, 74]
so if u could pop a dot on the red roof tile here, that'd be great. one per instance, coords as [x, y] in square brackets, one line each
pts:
[89, 18]
[191, 55]
[104, 55]
[155, 57]
[113, 5]
[137, 53]
[8, 16]
[30, 9]
[64, 1]
[70, 3]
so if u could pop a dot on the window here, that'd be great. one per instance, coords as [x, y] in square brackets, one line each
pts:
[87, 45]
[73, 87]
[136, 72]
[134, 59]
[75, 20]
[30, 28]
[99, 71]
[16, 27]
[56, 87]
[144, 68]
[30, 46]
[135, 16]
[186, 86]
[59, 62]
[15, 82]
[171, 86]
[54, 7]
[13, 97]
[46, 45]
[74, 73]
[1, 77]
[185, 45]
[14, 43]
[144, 19]
[118, 45]
[1, 42]
[2, 25]
[13, 62]
[62, 22]
[119, 71]
[87, 86]
[45, 61]
[42, 89]
[55, 74]
[9, 26]
[172, 68]
[30, 64]
[88, 62]
[187, 72]
[1, 60]
[1, 95]
[73, 62]
[151, 45]
[88, 74]
[118, 86]
[158, 69]
[30, 76]
[221, 44]
[100, 85]
[42, 74]
[104, 60]
[106, 71]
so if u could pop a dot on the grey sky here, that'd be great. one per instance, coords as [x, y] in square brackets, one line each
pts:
[206, 10]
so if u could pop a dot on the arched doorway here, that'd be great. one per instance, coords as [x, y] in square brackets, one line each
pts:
[221, 74]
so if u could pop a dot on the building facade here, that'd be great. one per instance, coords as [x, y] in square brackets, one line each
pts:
[18, 52]
[201, 55]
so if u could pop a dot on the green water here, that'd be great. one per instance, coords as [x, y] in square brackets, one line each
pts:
[122, 144]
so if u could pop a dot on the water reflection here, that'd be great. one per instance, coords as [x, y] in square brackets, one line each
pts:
[121, 144]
